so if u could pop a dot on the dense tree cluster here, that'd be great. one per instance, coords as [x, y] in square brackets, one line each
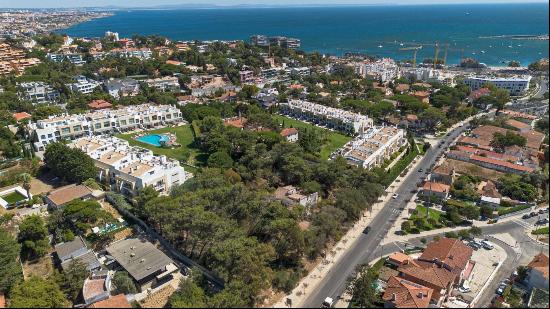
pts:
[68, 163]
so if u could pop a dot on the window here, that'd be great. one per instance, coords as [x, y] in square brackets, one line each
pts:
[154, 117]
[77, 128]
[146, 119]
[106, 124]
[132, 121]
[65, 130]
[50, 135]
[97, 125]
[42, 136]
[123, 122]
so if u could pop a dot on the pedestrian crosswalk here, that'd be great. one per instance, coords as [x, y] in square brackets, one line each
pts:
[523, 224]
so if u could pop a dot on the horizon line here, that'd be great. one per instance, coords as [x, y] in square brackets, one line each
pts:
[259, 5]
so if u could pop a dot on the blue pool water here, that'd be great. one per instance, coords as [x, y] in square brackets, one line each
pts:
[154, 139]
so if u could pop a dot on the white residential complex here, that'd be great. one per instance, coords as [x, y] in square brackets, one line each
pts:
[384, 70]
[75, 59]
[515, 85]
[128, 169]
[106, 121]
[38, 92]
[166, 83]
[332, 118]
[373, 147]
[83, 85]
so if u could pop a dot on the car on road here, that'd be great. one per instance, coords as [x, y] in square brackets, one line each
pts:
[526, 216]
[395, 196]
[533, 214]
[487, 245]
[327, 303]
[366, 230]
[420, 170]
[501, 288]
[541, 221]
[475, 245]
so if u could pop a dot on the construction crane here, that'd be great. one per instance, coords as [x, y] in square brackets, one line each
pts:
[416, 49]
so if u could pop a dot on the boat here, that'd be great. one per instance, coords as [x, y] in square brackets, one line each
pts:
[380, 46]
[483, 52]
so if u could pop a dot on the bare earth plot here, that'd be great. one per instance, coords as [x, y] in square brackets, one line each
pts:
[472, 169]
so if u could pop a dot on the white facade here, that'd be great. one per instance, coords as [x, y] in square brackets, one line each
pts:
[373, 147]
[83, 85]
[164, 84]
[128, 169]
[514, 85]
[384, 70]
[99, 122]
[75, 59]
[302, 72]
[140, 53]
[332, 118]
[38, 92]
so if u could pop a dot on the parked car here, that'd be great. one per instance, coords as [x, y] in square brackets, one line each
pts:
[395, 196]
[366, 230]
[420, 170]
[526, 216]
[541, 221]
[327, 303]
[501, 288]
[487, 245]
[475, 245]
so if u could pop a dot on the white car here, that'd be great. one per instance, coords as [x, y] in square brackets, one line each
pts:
[327, 303]
[465, 288]
[487, 245]
[395, 196]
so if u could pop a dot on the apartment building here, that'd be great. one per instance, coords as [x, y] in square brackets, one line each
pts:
[332, 118]
[516, 85]
[302, 71]
[206, 85]
[140, 53]
[128, 169]
[262, 40]
[106, 121]
[75, 59]
[259, 40]
[167, 83]
[13, 60]
[247, 77]
[38, 92]
[83, 85]
[373, 147]
[384, 70]
[124, 87]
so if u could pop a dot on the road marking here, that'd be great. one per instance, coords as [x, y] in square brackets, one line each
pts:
[523, 224]
[395, 243]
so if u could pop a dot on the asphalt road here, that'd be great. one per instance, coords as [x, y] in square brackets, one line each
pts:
[365, 247]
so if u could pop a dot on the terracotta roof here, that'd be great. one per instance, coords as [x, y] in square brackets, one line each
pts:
[68, 193]
[476, 94]
[443, 170]
[405, 294]
[399, 257]
[21, 116]
[452, 252]
[507, 164]
[99, 104]
[515, 114]
[2, 301]
[426, 273]
[118, 301]
[402, 87]
[540, 263]
[436, 187]
[411, 117]
[235, 122]
[517, 124]
[421, 94]
[286, 132]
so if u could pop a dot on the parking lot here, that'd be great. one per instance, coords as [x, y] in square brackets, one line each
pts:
[486, 262]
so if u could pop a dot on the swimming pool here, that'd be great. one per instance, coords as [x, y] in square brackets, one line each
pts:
[154, 139]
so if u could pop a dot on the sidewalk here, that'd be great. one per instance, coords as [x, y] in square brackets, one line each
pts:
[310, 282]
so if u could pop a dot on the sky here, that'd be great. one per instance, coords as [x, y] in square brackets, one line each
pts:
[148, 3]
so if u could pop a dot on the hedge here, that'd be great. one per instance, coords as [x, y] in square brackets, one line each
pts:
[502, 212]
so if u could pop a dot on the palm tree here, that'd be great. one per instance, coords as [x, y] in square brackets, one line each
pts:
[25, 178]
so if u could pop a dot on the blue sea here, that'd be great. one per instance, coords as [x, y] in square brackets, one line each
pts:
[374, 30]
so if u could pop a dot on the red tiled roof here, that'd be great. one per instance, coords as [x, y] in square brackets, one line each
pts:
[515, 114]
[286, 132]
[402, 87]
[436, 187]
[540, 263]
[405, 294]
[517, 124]
[429, 274]
[476, 94]
[21, 116]
[452, 252]
[99, 104]
[118, 301]
[502, 163]
[2, 301]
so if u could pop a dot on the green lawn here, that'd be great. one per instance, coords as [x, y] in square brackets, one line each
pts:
[335, 140]
[188, 153]
[435, 214]
[13, 197]
[541, 231]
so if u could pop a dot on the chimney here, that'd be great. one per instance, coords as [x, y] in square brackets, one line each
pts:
[421, 295]
[393, 297]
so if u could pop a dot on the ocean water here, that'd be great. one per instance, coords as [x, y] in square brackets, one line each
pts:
[374, 30]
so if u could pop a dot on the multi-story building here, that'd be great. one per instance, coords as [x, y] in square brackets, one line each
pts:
[122, 87]
[106, 121]
[75, 59]
[259, 40]
[516, 85]
[302, 71]
[128, 169]
[332, 118]
[12, 60]
[167, 83]
[384, 70]
[373, 146]
[83, 85]
[112, 36]
[140, 53]
[247, 77]
[38, 92]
